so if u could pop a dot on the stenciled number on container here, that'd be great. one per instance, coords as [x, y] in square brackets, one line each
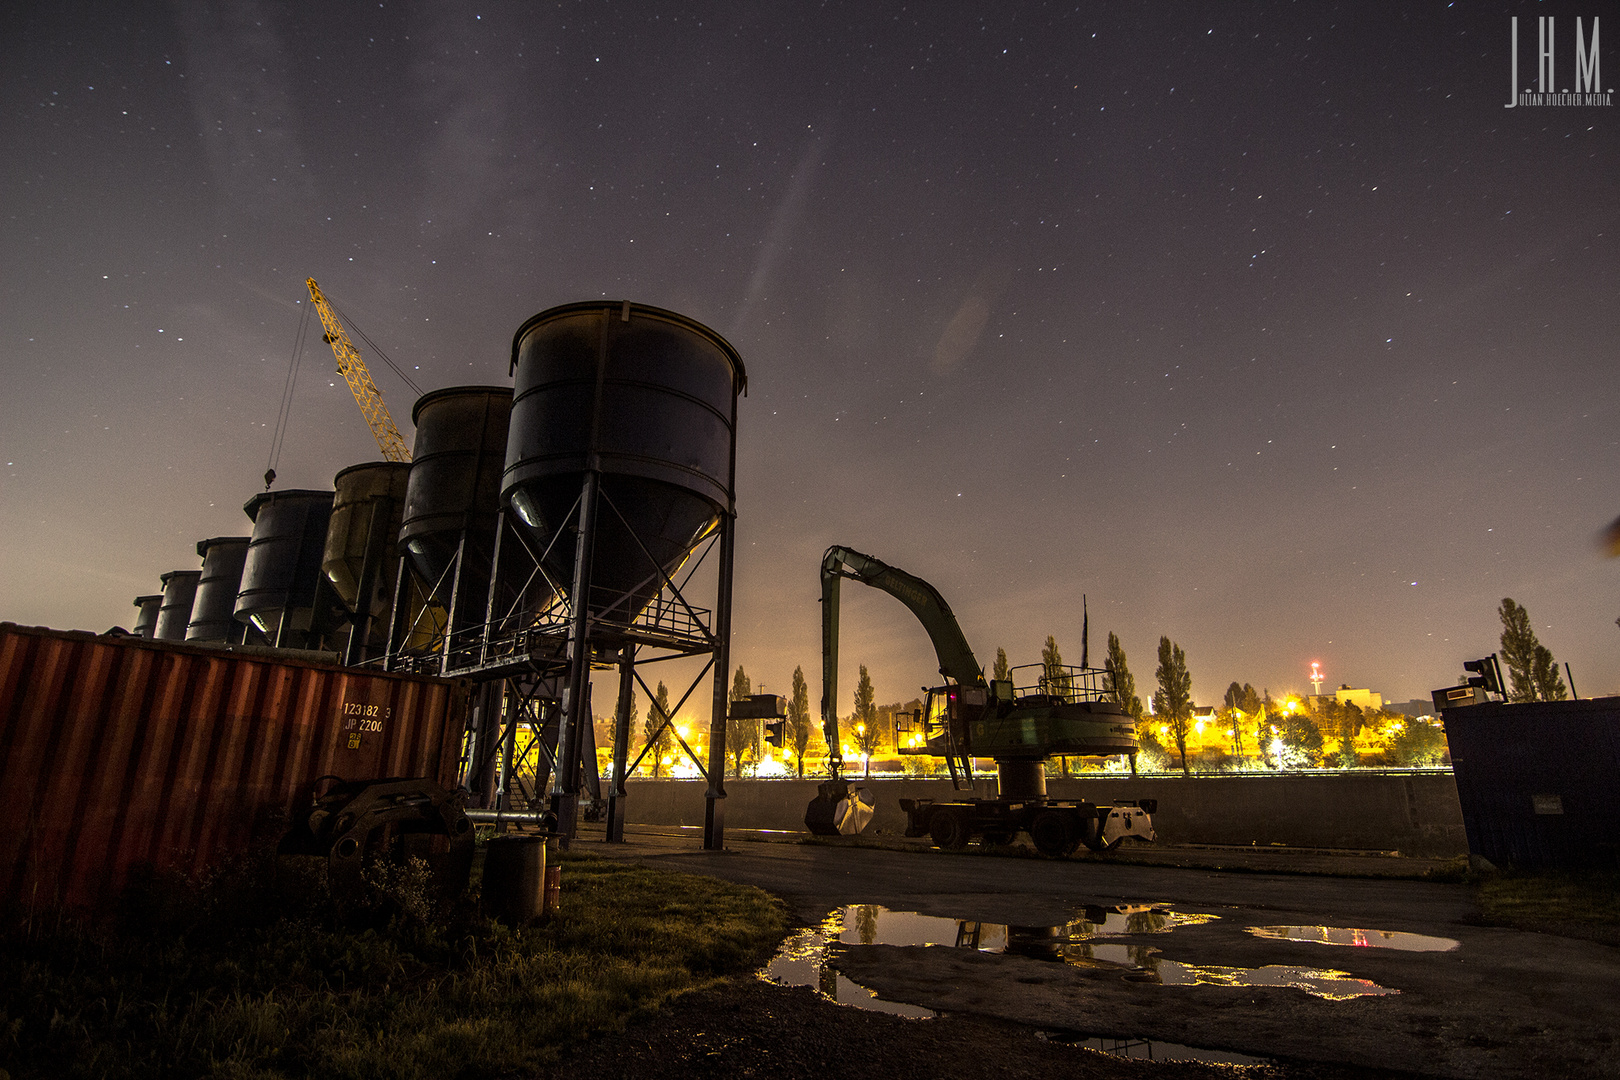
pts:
[360, 719]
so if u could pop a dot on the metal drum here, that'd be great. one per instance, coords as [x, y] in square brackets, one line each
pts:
[283, 567]
[146, 618]
[646, 397]
[179, 590]
[362, 553]
[211, 613]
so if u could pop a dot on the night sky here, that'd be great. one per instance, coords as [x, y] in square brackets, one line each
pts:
[1263, 326]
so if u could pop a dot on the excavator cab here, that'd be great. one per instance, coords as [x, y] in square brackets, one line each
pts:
[943, 726]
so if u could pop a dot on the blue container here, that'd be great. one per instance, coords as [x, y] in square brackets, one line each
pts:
[1539, 782]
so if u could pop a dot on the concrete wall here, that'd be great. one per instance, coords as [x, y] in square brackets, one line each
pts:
[1414, 814]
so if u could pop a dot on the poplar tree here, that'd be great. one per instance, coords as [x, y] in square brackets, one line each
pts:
[1120, 675]
[798, 722]
[659, 734]
[1544, 675]
[865, 718]
[1235, 713]
[1054, 678]
[1003, 670]
[741, 735]
[1532, 671]
[1172, 701]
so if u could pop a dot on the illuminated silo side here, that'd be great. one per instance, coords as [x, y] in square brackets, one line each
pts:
[282, 572]
[211, 613]
[146, 617]
[179, 590]
[361, 557]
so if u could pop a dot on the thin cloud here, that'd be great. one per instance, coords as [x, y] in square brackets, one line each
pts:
[237, 83]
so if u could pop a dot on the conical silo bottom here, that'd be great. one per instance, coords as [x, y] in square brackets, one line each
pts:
[635, 518]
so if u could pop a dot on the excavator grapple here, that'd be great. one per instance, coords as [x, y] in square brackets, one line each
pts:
[838, 809]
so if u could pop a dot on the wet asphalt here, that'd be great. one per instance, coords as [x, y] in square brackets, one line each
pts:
[1504, 1003]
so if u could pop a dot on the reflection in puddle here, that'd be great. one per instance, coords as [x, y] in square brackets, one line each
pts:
[1082, 942]
[1149, 1050]
[1318, 982]
[1142, 963]
[802, 961]
[1341, 935]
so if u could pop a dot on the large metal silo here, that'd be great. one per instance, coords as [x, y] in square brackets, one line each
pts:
[212, 617]
[146, 617]
[179, 591]
[645, 398]
[281, 577]
[452, 500]
[362, 555]
[620, 462]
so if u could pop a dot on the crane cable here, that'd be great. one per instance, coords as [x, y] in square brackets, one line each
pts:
[279, 436]
[350, 324]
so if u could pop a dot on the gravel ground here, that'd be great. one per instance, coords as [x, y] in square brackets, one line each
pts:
[749, 1028]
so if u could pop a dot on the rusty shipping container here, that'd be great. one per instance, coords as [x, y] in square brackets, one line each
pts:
[117, 752]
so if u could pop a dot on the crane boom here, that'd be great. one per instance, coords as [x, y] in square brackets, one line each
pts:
[956, 660]
[354, 372]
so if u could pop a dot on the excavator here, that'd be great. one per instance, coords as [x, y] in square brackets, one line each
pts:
[1064, 711]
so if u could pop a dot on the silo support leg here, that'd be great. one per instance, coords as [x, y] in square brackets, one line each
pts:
[621, 743]
[714, 812]
[576, 708]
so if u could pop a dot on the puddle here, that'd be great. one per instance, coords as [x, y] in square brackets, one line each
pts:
[1365, 939]
[1082, 942]
[1317, 982]
[802, 961]
[1151, 1050]
[1144, 964]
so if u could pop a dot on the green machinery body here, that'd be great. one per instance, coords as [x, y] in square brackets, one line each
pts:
[1061, 711]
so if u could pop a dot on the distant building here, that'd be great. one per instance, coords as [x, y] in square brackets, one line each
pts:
[1415, 708]
[1347, 695]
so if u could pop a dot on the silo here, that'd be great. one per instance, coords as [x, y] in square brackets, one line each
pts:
[646, 397]
[282, 573]
[362, 556]
[620, 462]
[146, 618]
[452, 499]
[179, 590]
[211, 613]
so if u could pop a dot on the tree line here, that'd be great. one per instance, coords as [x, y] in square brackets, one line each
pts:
[1290, 733]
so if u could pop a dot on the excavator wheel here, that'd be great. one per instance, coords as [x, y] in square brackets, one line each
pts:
[948, 830]
[1053, 834]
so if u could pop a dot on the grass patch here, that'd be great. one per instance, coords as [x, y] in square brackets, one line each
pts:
[1550, 901]
[217, 983]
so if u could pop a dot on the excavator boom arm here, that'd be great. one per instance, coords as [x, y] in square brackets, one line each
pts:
[358, 376]
[956, 660]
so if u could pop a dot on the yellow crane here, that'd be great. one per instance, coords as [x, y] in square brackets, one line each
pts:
[354, 372]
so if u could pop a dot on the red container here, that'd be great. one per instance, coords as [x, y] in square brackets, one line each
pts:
[117, 752]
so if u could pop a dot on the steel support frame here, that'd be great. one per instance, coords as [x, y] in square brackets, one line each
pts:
[588, 643]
